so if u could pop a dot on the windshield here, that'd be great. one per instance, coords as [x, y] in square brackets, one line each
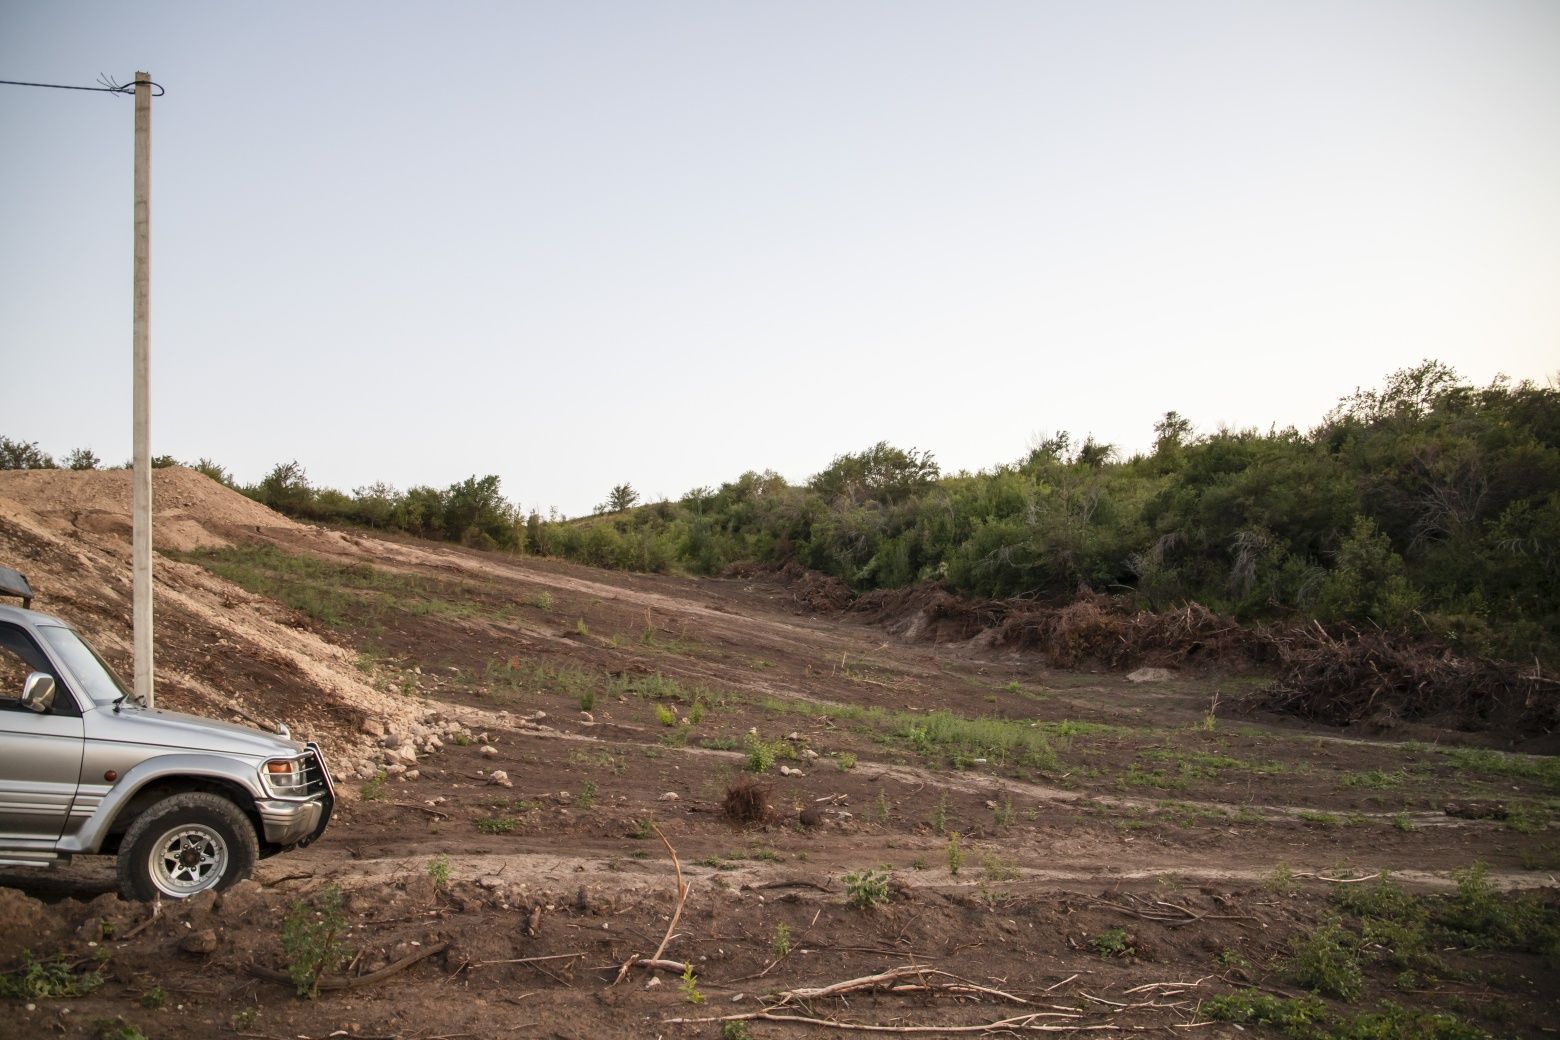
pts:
[95, 677]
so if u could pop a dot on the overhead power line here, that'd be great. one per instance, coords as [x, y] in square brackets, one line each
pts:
[108, 86]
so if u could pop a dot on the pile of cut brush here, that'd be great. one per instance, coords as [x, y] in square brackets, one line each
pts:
[1371, 676]
[1343, 676]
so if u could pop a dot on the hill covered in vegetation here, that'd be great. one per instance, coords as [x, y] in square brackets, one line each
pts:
[1429, 505]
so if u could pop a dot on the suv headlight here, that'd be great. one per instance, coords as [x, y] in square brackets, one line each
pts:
[284, 777]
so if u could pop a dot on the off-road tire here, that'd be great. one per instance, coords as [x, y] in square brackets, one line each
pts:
[209, 817]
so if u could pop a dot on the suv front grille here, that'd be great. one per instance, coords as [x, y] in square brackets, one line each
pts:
[313, 774]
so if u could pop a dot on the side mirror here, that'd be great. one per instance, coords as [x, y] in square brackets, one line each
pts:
[38, 692]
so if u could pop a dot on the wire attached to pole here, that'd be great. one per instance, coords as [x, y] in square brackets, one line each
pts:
[108, 86]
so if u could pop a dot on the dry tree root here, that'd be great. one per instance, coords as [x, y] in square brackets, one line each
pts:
[655, 960]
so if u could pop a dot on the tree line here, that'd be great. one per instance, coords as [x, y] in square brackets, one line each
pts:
[1427, 505]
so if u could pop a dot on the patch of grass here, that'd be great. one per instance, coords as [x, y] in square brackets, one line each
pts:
[1542, 770]
[1374, 779]
[1307, 1018]
[1003, 814]
[587, 796]
[955, 854]
[780, 944]
[1074, 728]
[543, 601]
[439, 870]
[735, 1031]
[845, 761]
[666, 715]
[866, 889]
[1321, 819]
[944, 735]
[154, 998]
[497, 824]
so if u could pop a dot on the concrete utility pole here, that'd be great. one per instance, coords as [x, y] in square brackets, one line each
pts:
[141, 539]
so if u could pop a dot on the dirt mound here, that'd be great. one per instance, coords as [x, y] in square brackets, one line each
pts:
[221, 652]
[189, 510]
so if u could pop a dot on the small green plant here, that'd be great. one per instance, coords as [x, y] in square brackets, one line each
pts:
[866, 889]
[543, 600]
[1117, 942]
[154, 998]
[998, 869]
[587, 699]
[696, 713]
[666, 715]
[955, 854]
[1401, 822]
[690, 986]
[760, 753]
[940, 815]
[735, 1031]
[1003, 814]
[1014, 687]
[461, 740]
[44, 980]
[311, 940]
[845, 761]
[244, 1018]
[587, 796]
[1327, 962]
[781, 943]
[1282, 879]
[1321, 819]
[882, 811]
[642, 830]
[439, 870]
[373, 789]
[581, 628]
[496, 824]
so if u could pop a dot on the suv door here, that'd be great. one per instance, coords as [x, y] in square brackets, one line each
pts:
[40, 752]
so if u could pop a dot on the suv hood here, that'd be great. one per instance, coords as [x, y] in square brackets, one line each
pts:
[173, 729]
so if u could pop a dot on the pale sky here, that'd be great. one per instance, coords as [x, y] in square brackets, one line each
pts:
[580, 243]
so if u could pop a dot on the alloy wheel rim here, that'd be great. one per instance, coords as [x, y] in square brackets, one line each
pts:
[187, 860]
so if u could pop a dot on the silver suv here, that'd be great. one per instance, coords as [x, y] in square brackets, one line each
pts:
[186, 803]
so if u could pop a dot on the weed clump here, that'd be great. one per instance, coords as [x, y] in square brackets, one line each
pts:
[866, 889]
[1328, 962]
[311, 940]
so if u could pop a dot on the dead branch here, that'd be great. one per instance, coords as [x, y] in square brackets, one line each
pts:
[359, 981]
[853, 985]
[1019, 1024]
[654, 960]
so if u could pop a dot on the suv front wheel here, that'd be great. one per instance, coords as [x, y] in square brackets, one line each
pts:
[184, 844]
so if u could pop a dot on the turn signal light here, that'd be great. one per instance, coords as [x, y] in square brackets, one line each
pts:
[279, 767]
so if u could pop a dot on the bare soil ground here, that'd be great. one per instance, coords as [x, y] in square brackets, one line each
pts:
[1065, 849]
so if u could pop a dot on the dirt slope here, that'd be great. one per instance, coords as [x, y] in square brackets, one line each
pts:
[1110, 854]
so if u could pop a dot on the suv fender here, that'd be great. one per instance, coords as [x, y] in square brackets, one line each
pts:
[225, 770]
